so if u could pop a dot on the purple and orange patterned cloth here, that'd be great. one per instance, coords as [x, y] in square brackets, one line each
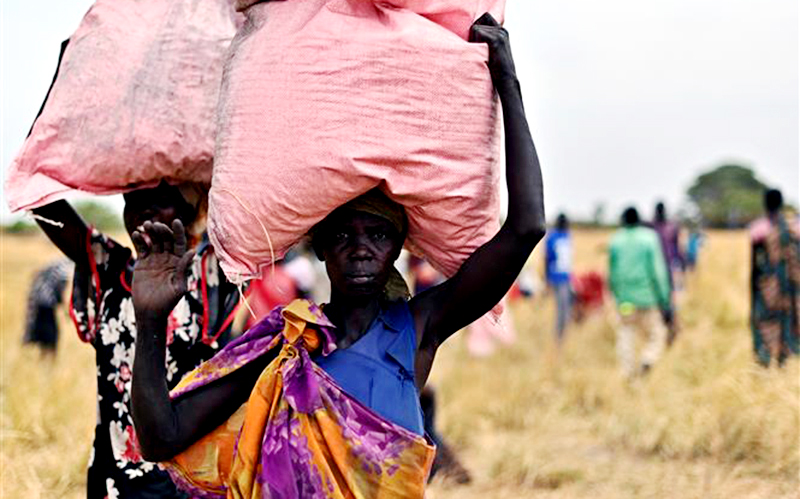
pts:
[299, 435]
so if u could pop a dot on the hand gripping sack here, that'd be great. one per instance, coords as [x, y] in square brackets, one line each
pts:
[323, 100]
[134, 102]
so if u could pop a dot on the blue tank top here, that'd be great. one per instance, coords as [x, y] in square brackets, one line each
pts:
[378, 369]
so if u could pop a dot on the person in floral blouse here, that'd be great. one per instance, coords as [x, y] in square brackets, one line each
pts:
[102, 310]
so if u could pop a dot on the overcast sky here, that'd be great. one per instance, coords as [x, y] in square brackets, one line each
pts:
[627, 100]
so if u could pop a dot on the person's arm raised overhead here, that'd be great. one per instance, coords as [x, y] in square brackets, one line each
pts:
[490, 271]
[66, 229]
[165, 427]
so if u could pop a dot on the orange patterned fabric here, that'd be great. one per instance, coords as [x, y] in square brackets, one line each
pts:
[299, 435]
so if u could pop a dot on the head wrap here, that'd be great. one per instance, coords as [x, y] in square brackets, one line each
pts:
[375, 202]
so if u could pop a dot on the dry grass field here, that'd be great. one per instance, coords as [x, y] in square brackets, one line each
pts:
[528, 421]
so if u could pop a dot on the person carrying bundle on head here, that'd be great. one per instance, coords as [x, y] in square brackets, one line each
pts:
[102, 311]
[324, 401]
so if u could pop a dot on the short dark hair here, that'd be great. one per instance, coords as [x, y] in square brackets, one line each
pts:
[773, 200]
[562, 222]
[661, 212]
[630, 216]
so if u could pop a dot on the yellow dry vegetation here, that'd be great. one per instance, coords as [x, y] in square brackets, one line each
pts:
[528, 421]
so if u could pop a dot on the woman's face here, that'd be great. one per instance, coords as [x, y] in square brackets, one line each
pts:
[359, 250]
[153, 205]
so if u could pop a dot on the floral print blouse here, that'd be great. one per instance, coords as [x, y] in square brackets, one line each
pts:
[102, 309]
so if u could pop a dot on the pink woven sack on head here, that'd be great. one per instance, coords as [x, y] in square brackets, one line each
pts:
[134, 102]
[323, 100]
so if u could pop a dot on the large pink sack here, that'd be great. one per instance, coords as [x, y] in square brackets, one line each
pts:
[134, 102]
[323, 100]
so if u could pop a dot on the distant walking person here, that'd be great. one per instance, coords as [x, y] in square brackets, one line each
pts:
[669, 234]
[640, 285]
[775, 284]
[46, 293]
[558, 270]
[693, 245]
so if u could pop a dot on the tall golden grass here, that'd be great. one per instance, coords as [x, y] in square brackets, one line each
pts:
[528, 422]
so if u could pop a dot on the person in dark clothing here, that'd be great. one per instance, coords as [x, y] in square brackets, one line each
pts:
[669, 235]
[46, 293]
[102, 310]
[775, 284]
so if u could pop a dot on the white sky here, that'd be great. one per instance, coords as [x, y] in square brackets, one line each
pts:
[627, 100]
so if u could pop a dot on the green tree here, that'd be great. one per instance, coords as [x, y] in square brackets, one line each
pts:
[728, 196]
[20, 226]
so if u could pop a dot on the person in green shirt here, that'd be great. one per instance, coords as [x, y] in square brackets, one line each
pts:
[639, 281]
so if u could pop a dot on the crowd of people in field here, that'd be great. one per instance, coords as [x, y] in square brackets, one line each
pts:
[647, 267]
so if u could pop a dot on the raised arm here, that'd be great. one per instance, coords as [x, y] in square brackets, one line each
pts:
[71, 233]
[165, 427]
[490, 271]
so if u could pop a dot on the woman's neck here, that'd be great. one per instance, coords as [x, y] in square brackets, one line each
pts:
[352, 318]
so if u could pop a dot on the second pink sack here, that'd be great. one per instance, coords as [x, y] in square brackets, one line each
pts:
[134, 102]
[324, 100]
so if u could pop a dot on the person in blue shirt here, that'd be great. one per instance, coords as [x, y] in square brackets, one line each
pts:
[558, 271]
[386, 343]
[695, 242]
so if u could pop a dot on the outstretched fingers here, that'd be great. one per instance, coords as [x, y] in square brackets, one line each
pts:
[180, 237]
[162, 239]
[141, 243]
[166, 238]
[154, 238]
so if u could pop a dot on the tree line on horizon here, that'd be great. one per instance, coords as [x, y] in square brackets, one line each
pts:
[729, 196]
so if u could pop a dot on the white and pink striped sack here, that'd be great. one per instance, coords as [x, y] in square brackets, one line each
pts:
[323, 100]
[134, 102]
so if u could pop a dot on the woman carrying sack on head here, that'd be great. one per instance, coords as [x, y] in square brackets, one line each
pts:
[324, 402]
